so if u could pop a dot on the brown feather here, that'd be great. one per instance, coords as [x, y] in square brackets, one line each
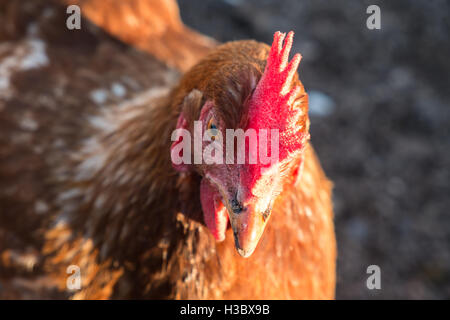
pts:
[88, 172]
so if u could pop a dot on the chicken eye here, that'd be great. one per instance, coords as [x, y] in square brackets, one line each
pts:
[212, 126]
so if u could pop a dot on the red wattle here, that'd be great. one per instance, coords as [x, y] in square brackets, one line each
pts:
[214, 212]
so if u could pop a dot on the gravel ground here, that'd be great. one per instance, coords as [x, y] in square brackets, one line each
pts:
[380, 122]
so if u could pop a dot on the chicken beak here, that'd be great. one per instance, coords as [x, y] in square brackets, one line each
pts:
[248, 225]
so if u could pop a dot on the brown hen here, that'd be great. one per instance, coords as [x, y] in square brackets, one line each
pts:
[86, 176]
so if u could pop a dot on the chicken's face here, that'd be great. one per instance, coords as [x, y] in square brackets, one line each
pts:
[236, 187]
[244, 167]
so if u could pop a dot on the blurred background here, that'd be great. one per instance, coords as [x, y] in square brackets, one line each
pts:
[380, 122]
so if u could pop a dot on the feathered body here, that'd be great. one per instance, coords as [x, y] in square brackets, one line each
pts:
[85, 160]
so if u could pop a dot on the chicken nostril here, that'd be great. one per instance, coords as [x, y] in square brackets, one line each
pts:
[236, 206]
[266, 214]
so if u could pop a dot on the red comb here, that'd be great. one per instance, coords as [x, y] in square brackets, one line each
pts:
[276, 103]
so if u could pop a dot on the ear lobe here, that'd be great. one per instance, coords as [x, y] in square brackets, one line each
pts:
[177, 149]
[297, 174]
[180, 151]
